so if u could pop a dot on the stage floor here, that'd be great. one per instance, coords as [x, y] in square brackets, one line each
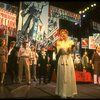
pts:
[85, 91]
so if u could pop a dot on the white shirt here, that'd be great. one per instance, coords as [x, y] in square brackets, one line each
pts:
[10, 51]
[54, 56]
[24, 52]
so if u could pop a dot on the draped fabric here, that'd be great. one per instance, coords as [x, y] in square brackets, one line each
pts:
[66, 80]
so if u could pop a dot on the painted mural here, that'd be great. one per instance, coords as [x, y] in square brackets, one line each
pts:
[33, 22]
[39, 23]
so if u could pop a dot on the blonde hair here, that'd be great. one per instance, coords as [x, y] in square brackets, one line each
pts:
[63, 30]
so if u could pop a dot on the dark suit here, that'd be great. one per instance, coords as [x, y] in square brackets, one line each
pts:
[53, 64]
[43, 67]
[12, 64]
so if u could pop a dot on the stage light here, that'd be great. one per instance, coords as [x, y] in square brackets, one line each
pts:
[75, 23]
[87, 8]
[92, 5]
[83, 11]
[80, 12]
[83, 15]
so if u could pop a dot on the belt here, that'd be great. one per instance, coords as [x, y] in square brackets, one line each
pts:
[24, 56]
[1, 55]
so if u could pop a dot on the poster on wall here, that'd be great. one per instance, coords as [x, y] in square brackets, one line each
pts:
[96, 37]
[53, 28]
[92, 44]
[9, 7]
[33, 22]
[64, 14]
[84, 43]
[7, 23]
[55, 14]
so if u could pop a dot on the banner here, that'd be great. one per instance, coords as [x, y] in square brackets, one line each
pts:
[9, 7]
[7, 23]
[96, 37]
[84, 42]
[92, 44]
[33, 22]
[96, 26]
[64, 14]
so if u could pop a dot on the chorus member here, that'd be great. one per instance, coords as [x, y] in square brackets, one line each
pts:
[12, 62]
[96, 62]
[3, 59]
[34, 58]
[24, 56]
[53, 63]
[42, 63]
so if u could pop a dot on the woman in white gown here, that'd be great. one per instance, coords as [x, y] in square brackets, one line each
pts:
[66, 80]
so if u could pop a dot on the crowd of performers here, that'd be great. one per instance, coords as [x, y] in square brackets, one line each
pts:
[40, 65]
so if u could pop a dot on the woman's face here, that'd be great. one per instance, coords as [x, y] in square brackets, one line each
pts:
[65, 36]
[98, 49]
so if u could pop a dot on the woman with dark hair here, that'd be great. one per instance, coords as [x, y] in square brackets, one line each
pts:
[66, 81]
[3, 59]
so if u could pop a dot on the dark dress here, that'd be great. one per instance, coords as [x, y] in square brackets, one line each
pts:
[3, 59]
[96, 62]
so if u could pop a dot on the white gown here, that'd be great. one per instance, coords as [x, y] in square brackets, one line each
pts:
[66, 80]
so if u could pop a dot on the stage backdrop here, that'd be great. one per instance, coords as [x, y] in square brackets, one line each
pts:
[33, 22]
[39, 23]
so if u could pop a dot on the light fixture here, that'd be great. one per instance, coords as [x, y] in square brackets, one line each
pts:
[80, 12]
[87, 8]
[94, 4]
[83, 11]
[76, 23]
[84, 15]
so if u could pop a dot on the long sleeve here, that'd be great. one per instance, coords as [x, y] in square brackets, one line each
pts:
[93, 58]
[6, 55]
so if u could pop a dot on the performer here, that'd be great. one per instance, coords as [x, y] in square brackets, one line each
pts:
[24, 57]
[12, 62]
[34, 58]
[3, 60]
[53, 63]
[96, 62]
[66, 81]
[42, 63]
[85, 61]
